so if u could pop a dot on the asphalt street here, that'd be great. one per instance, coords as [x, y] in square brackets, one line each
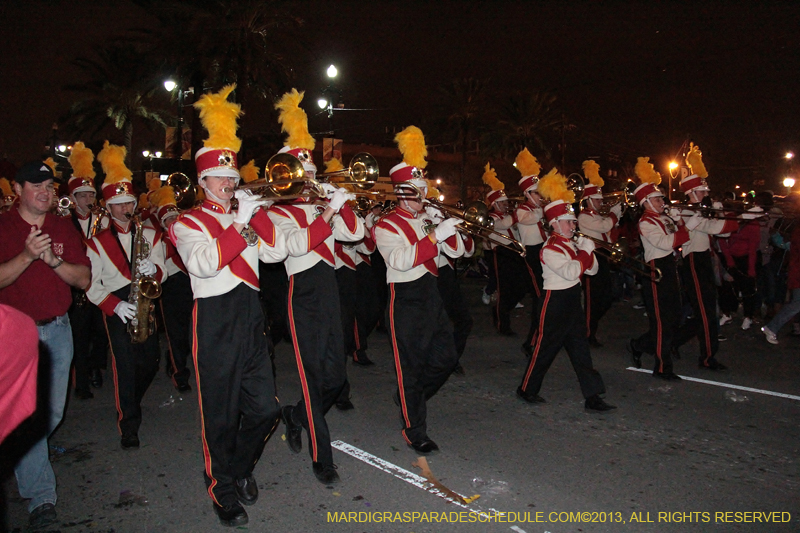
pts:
[675, 456]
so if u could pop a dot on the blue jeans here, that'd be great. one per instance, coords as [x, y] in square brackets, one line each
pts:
[35, 477]
[786, 313]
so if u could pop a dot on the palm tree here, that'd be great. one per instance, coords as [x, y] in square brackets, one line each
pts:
[120, 88]
[526, 120]
[465, 98]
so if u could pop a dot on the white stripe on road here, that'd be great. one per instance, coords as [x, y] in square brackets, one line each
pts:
[400, 473]
[726, 385]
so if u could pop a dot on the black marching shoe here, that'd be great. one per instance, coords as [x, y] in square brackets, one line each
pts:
[362, 360]
[713, 364]
[344, 405]
[42, 516]
[83, 394]
[130, 441]
[97, 379]
[596, 403]
[294, 431]
[424, 446]
[506, 332]
[232, 515]
[184, 387]
[246, 490]
[527, 349]
[594, 343]
[667, 376]
[530, 398]
[636, 355]
[326, 474]
[459, 370]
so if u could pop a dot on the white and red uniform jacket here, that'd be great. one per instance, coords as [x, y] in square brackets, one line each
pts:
[87, 221]
[469, 249]
[111, 268]
[216, 255]
[505, 224]
[563, 263]
[659, 239]
[700, 237]
[529, 224]
[406, 242]
[309, 239]
[172, 258]
[593, 224]
[351, 254]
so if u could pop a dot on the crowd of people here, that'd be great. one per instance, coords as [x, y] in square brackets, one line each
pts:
[235, 273]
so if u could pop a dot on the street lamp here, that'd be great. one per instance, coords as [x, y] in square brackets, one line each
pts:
[332, 72]
[789, 155]
[788, 183]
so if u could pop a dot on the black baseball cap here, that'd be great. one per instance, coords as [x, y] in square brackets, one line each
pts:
[34, 172]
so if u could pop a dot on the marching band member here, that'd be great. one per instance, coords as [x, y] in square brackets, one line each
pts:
[697, 268]
[114, 266]
[368, 310]
[311, 229]
[421, 332]
[509, 267]
[598, 296]
[561, 323]
[176, 299]
[221, 249]
[8, 195]
[378, 265]
[88, 332]
[531, 234]
[662, 299]
[447, 280]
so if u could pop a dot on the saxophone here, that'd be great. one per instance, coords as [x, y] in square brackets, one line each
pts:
[144, 289]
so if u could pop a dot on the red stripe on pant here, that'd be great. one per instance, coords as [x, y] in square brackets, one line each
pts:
[538, 344]
[702, 306]
[397, 365]
[656, 306]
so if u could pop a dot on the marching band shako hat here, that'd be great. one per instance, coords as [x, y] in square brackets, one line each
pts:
[697, 180]
[553, 187]
[117, 187]
[411, 143]
[649, 180]
[529, 167]
[594, 189]
[163, 199]
[83, 174]
[498, 193]
[218, 155]
[294, 121]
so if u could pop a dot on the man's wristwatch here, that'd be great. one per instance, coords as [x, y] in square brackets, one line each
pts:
[60, 262]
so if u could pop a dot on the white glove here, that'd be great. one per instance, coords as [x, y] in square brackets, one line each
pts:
[753, 213]
[340, 196]
[125, 311]
[587, 245]
[617, 210]
[248, 204]
[146, 267]
[328, 189]
[435, 213]
[694, 221]
[446, 229]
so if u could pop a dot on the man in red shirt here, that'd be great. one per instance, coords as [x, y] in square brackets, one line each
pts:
[41, 257]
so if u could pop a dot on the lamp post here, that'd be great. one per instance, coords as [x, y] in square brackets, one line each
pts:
[171, 86]
[330, 93]
[788, 182]
[673, 173]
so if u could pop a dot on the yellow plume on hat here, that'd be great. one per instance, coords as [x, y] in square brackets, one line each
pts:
[553, 186]
[81, 161]
[250, 171]
[695, 161]
[163, 196]
[527, 164]
[333, 165]
[52, 164]
[218, 116]
[433, 192]
[490, 178]
[112, 159]
[294, 121]
[199, 194]
[153, 185]
[5, 187]
[144, 203]
[591, 169]
[411, 143]
[645, 171]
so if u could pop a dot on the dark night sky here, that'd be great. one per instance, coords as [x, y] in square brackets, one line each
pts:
[634, 77]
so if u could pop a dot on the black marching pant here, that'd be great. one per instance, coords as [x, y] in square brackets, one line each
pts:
[274, 286]
[378, 268]
[134, 367]
[235, 388]
[348, 296]
[561, 324]
[424, 351]
[662, 301]
[598, 295]
[176, 308]
[368, 308]
[534, 263]
[316, 328]
[512, 285]
[89, 339]
[455, 306]
[697, 276]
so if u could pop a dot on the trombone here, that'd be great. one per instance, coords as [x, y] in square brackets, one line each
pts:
[477, 222]
[619, 254]
[625, 196]
[185, 191]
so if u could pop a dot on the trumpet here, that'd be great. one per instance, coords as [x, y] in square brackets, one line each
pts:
[64, 205]
[618, 253]
[477, 222]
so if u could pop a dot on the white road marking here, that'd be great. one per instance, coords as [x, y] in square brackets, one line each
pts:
[726, 385]
[518, 530]
[402, 474]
